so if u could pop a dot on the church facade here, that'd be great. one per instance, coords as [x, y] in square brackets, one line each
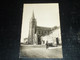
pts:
[36, 32]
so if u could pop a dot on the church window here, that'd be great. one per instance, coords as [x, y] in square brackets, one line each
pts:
[39, 32]
[42, 32]
[45, 31]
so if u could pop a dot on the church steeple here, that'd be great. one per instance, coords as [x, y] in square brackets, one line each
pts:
[32, 29]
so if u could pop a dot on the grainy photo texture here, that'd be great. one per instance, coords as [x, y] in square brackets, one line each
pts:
[41, 33]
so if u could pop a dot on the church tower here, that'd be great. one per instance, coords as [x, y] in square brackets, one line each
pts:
[32, 30]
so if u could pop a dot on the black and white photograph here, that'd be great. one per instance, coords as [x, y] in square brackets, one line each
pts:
[41, 31]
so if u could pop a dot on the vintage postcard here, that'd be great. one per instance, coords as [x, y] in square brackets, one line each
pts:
[41, 31]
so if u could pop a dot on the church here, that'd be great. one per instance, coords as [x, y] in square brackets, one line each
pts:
[36, 32]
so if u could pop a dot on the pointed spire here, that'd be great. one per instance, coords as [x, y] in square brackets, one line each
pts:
[33, 15]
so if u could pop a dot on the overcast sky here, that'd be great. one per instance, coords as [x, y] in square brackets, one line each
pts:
[47, 15]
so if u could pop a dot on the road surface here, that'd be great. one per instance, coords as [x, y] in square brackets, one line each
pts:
[39, 51]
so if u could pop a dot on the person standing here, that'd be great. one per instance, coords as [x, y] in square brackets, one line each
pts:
[46, 44]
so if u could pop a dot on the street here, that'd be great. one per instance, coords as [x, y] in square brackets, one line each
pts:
[40, 51]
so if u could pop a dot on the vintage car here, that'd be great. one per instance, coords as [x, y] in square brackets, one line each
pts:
[51, 44]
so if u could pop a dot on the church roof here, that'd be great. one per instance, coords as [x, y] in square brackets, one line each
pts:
[43, 28]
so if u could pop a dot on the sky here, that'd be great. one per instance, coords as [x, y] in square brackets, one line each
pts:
[46, 15]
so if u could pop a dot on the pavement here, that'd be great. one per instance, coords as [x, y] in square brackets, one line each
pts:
[40, 51]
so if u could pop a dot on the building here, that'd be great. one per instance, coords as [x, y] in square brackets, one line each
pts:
[36, 32]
